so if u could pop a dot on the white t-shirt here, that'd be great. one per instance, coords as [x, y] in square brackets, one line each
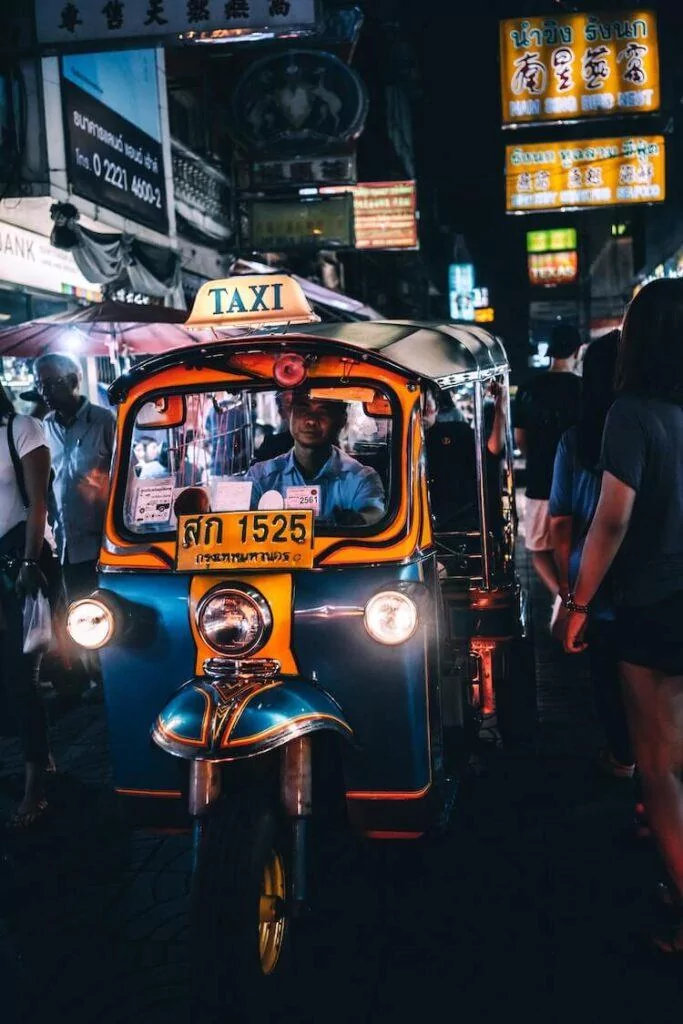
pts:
[28, 434]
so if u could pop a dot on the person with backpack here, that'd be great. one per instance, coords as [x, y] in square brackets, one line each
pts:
[545, 407]
[25, 559]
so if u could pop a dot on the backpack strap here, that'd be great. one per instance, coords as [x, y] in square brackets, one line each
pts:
[16, 461]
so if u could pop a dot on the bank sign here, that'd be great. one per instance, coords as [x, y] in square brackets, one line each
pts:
[573, 66]
[113, 134]
[586, 173]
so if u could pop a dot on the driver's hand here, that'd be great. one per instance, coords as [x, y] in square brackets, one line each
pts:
[347, 517]
[496, 391]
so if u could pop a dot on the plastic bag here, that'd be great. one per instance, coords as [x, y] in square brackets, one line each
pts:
[37, 623]
[558, 618]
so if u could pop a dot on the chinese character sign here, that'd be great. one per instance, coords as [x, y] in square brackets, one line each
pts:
[84, 20]
[579, 65]
[585, 173]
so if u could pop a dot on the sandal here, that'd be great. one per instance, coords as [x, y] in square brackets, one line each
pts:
[23, 820]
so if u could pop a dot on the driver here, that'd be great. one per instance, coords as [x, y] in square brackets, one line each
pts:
[341, 489]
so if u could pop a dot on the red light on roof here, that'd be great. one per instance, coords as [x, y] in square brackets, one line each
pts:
[289, 370]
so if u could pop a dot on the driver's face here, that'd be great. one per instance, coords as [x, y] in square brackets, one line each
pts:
[314, 424]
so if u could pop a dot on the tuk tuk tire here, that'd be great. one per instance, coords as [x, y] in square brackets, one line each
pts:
[238, 840]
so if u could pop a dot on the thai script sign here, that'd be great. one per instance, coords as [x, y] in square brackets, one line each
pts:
[585, 173]
[572, 66]
[245, 540]
[553, 268]
[114, 20]
[384, 214]
[114, 144]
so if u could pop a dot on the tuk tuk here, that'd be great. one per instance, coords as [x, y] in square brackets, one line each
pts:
[277, 614]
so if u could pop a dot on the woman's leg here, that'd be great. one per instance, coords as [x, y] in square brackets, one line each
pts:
[655, 709]
[21, 680]
[607, 689]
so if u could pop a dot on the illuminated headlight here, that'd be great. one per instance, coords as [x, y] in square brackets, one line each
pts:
[391, 617]
[90, 623]
[234, 621]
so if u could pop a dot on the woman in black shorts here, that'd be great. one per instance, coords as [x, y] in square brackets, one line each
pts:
[638, 525]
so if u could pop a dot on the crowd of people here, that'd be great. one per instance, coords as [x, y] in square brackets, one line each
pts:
[604, 526]
[605, 529]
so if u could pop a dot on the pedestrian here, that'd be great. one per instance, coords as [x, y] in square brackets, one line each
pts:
[24, 564]
[638, 525]
[452, 463]
[81, 440]
[545, 407]
[573, 500]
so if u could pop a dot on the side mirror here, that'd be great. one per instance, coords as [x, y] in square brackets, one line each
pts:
[163, 413]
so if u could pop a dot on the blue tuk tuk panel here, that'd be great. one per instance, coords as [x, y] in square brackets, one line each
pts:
[216, 721]
[379, 696]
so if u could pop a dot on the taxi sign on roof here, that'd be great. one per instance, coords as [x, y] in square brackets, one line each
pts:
[254, 300]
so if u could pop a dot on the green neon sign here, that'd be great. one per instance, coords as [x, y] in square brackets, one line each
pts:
[551, 240]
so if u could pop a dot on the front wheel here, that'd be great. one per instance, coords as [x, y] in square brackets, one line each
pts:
[240, 928]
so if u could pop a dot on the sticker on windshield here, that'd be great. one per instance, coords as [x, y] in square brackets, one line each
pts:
[153, 504]
[232, 495]
[303, 497]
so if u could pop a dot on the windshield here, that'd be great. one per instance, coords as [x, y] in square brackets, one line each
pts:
[327, 449]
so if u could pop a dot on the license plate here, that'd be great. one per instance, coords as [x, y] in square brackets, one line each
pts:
[233, 541]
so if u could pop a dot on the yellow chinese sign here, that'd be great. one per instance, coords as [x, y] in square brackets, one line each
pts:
[579, 65]
[586, 173]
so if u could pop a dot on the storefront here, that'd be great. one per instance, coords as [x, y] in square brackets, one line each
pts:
[36, 280]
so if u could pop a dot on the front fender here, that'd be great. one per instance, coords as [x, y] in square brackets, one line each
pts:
[226, 721]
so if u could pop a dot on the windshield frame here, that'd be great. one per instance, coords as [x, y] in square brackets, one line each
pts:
[120, 483]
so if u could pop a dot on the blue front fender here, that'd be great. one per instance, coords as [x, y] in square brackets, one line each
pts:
[214, 721]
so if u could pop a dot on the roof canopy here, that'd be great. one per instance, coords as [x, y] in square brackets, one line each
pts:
[447, 354]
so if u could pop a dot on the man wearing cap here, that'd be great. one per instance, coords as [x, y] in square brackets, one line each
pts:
[341, 490]
[81, 440]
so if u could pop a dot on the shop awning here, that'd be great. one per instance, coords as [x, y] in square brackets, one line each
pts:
[109, 328]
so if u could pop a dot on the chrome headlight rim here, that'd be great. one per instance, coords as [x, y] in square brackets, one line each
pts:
[401, 592]
[256, 598]
[108, 614]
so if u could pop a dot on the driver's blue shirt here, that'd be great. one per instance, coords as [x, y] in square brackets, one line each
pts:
[344, 483]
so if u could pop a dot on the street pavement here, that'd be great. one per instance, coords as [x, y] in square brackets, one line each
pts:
[534, 905]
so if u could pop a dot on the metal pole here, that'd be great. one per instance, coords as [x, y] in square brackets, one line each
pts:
[480, 445]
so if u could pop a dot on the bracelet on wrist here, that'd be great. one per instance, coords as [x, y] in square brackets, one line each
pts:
[29, 561]
[571, 605]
